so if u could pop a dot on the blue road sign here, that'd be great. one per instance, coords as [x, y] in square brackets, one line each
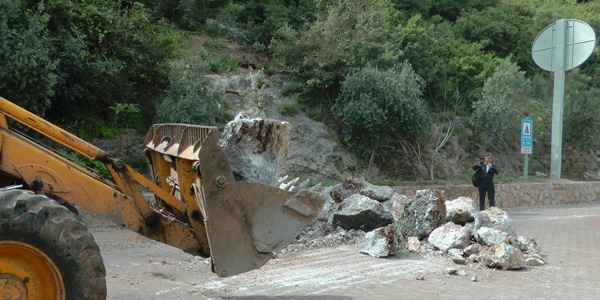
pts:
[526, 136]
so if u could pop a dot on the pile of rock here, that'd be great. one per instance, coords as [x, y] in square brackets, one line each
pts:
[375, 218]
[489, 238]
[382, 223]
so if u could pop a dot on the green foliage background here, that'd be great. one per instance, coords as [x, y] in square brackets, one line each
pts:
[71, 61]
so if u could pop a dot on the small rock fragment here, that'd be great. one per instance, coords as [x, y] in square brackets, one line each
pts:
[534, 262]
[413, 243]
[451, 270]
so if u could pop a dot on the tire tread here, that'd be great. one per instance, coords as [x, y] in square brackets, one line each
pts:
[44, 223]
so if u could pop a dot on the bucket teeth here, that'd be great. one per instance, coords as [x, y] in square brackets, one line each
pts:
[290, 185]
[282, 179]
[242, 222]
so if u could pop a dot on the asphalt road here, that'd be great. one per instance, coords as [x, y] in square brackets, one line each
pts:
[569, 237]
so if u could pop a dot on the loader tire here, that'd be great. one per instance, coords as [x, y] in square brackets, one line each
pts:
[45, 253]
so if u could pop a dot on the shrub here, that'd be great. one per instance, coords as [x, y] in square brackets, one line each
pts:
[316, 112]
[89, 126]
[288, 108]
[215, 29]
[28, 75]
[382, 108]
[191, 97]
[212, 44]
[223, 63]
[347, 35]
[582, 122]
[258, 47]
[495, 116]
[291, 88]
[127, 115]
[61, 56]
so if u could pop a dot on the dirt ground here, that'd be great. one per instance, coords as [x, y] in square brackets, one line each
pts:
[569, 236]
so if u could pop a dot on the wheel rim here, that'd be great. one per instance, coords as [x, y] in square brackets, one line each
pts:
[28, 273]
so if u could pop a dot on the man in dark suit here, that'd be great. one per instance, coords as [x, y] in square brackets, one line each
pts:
[486, 171]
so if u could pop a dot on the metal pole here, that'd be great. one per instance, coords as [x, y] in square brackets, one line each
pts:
[558, 99]
[525, 169]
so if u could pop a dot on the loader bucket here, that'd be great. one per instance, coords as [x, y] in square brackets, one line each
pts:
[243, 222]
[246, 221]
[277, 216]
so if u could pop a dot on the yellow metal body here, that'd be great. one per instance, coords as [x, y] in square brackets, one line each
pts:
[47, 172]
[197, 207]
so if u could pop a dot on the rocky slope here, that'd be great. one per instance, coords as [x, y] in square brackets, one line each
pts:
[314, 153]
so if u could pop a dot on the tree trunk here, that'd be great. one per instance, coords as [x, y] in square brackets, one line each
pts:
[370, 163]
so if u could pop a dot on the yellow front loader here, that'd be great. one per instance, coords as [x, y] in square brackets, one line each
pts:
[46, 253]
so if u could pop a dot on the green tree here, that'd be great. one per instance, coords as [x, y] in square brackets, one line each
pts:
[74, 59]
[459, 67]
[379, 109]
[347, 35]
[260, 19]
[501, 30]
[186, 14]
[581, 127]
[28, 68]
[126, 116]
[447, 64]
[191, 97]
[495, 117]
[451, 10]
[124, 58]
[588, 12]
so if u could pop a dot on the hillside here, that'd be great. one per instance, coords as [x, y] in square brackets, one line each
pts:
[315, 151]
[97, 67]
[452, 164]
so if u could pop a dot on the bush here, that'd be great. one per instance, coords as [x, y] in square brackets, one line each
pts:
[495, 116]
[316, 112]
[186, 14]
[127, 115]
[288, 108]
[191, 97]
[223, 63]
[60, 56]
[291, 88]
[28, 75]
[215, 29]
[255, 21]
[89, 126]
[582, 123]
[212, 44]
[257, 47]
[347, 35]
[381, 108]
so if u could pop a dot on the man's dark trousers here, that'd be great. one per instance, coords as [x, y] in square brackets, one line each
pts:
[486, 187]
